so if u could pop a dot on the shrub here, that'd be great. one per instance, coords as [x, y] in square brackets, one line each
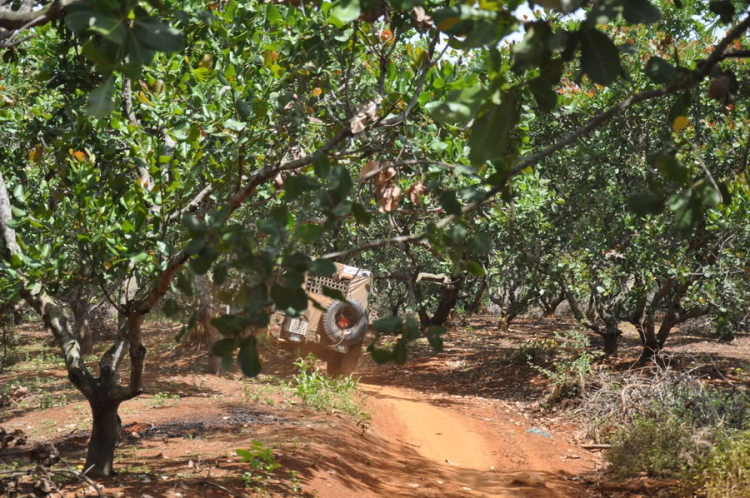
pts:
[571, 367]
[262, 461]
[652, 445]
[684, 430]
[321, 392]
[725, 471]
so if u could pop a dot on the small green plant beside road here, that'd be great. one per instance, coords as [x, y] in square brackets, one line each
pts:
[262, 461]
[322, 392]
[160, 399]
[572, 365]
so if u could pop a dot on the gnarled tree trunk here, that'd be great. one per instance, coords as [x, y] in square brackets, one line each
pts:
[104, 435]
[549, 306]
[611, 341]
[81, 329]
[448, 300]
[476, 302]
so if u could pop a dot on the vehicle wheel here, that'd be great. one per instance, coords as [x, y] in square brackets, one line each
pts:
[344, 363]
[345, 322]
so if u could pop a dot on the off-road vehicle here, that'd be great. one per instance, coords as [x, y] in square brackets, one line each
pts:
[336, 334]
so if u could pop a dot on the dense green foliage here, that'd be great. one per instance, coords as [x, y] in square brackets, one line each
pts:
[602, 159]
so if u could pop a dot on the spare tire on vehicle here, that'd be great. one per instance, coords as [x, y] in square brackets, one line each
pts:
[345, 322]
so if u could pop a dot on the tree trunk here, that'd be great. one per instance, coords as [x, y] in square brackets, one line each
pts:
[104, 436]
[81, 327]
[206, 291]
[476, 302]
[550, 307]
[448, 300]
[649, 341]
[505, 319]
[611, 342]
[214, 362]
[650, 351]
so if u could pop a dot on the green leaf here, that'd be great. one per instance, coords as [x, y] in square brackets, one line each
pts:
[234, 125]
[449, 202]
[309, 232]
[564, 6]
[724, 9]
[434, 337]
[542, 87]
[101, 99]
[193, 224]
[291, 301]
[643, 203]
[388, 325]
[230, 325]
[184, 283]
[406, 5]
[346, 11]
[171, 308]
[138, 53]
[195, 245]
[223, 347]
[110, 28]
[600, 59]
[660, 71]
[400, 351]
[333, 293]
[460, 106]
[672, 169]
[490, 134]
[16, 261]
[19, 194]
[322, 267]
[381, 356]
[272, 15]
[205, 259]
[138, 258]
[685, 210]
[475, 269]
[158, 35]
[248, 357]
[361, 214]
[412, 328]
[246, 455]
[297, 184]
[480, 243]
[641, 12]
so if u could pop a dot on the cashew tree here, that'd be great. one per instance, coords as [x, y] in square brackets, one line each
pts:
[147, 141]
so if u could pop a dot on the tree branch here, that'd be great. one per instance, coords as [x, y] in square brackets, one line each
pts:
[49, 309]
[19, 20]
[597, 121]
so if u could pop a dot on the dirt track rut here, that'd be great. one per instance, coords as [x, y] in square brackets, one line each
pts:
[468, 447]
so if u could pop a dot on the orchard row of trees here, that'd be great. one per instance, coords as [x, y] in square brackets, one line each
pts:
[153, 149]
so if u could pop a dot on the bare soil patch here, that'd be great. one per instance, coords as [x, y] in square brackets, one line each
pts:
[462, 422]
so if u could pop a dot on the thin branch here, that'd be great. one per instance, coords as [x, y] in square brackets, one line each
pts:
[418, 87]
[736, 54]
[18, 20]
[705, 170]
[256, 178]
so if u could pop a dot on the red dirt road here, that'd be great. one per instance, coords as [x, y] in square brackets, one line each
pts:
[442, 446]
